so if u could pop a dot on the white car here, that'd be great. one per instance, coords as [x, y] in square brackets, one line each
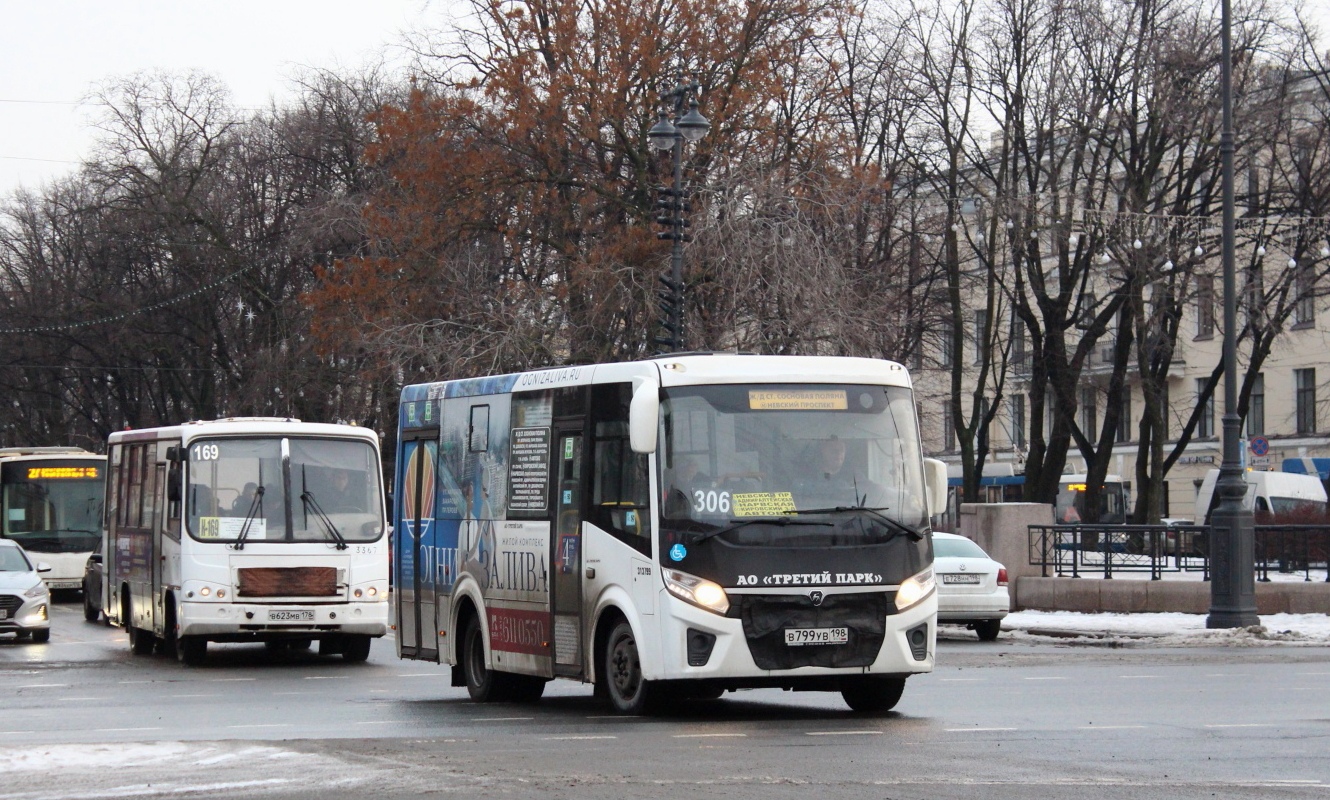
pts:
[24, 598]
[971, 587]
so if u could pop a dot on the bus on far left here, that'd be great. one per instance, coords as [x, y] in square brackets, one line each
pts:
[51, 504]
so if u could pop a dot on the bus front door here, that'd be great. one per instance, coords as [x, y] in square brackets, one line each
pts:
[414, 577]
[566, 577]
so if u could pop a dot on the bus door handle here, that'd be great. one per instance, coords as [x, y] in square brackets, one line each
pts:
[590, 572]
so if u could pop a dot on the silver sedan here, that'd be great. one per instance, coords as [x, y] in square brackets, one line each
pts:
[24, 598]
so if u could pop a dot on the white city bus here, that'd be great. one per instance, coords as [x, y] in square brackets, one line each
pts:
[675, 527]
[246, 530]
[51, 504]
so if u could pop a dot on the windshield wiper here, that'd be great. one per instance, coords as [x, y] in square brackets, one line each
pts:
[735, 524]
[876, 512]
[254, 506]
[307, 497]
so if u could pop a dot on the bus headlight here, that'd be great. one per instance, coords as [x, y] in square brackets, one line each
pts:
[698, 591]
[915, 588]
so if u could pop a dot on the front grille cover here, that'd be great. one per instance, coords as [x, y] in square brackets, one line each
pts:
[10, 602]
[287, 582]
[765, 618]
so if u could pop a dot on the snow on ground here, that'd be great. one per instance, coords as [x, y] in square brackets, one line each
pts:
[1169, 629]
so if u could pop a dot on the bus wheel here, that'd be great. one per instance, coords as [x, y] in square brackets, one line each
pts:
[355, 648]
[191, 651]
[873, 695]
[481, 682]
[141, 642]
[627, 690]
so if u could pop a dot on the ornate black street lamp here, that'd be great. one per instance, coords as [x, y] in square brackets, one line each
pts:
[1232, 529]
[669, 134]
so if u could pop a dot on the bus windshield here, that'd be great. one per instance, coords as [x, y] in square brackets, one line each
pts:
[283, 490]
[1070, 507]
[733, 453]
[53, 508]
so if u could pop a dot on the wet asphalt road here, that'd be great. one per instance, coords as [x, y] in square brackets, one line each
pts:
[82, 717]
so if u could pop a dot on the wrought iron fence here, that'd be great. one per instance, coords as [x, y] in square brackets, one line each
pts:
[1108, 549]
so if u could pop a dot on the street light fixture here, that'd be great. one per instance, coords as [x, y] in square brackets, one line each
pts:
[669, 134]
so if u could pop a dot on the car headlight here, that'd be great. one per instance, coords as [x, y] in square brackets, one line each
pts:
[39, 590]
[698, 591]
[915, 588]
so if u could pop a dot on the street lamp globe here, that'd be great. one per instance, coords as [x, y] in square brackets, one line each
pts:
[663, 133]
[693, 125]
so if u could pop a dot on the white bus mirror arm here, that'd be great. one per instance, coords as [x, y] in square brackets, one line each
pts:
[643, 415]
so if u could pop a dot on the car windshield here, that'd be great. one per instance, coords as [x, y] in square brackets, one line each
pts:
[283, 490]
[956, 548]
[53, 508]
[13, 560]
[740, 453]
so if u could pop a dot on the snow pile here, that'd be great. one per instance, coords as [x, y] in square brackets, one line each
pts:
[1171, 629]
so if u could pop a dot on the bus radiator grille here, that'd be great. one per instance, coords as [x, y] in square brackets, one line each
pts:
[765, 618]
[287, 582]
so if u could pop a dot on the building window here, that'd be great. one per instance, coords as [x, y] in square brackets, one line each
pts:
[1020, 359]
[1205, 426]
[1205, 307]
[1304, 312]
[1304, 381]
[1089, 411]
[945, 339]
[1124, 418]
[1255, 295]
[980, 338]
[948, 429]
[1256, 407]
[1017, 408]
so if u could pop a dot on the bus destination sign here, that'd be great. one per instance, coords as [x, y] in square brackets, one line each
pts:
[61, 473]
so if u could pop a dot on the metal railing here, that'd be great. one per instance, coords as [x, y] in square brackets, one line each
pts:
[1104, 550]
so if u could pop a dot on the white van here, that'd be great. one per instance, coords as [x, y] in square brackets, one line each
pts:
[1267, 493]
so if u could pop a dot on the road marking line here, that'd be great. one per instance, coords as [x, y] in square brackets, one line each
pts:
[710, 735]
[47, 686]
[123, 730]
[281, 725]
[125, 683]
[1110, 727]
[326, 677]
[230, 680]
[842, 733]
[616, 716]
[16, 733]
[502, 719]
[565, 738]
[179, 696]
[1242, 725]
[80, 699]
[975, 730]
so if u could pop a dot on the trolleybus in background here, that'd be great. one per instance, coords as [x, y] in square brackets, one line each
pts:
[51, 504]
[680, 526]
[999, 484]
[246, 530]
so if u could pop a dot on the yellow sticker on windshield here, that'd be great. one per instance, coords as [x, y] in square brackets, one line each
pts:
[797, 400]
[763, 504]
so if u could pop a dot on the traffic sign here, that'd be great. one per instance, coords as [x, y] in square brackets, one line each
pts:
[1260, 446]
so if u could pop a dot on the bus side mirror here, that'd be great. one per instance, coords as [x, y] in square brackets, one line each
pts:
[935, 485]
[643, 414]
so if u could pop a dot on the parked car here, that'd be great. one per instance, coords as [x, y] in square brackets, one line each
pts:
[24, 598]
[971, 587]
[92, 585]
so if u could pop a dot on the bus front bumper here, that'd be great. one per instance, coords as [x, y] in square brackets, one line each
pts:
[264, 620]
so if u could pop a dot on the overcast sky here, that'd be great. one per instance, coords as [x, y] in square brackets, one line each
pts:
[54, 52]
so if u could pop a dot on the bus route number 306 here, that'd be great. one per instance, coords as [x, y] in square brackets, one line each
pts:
[711, 502]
